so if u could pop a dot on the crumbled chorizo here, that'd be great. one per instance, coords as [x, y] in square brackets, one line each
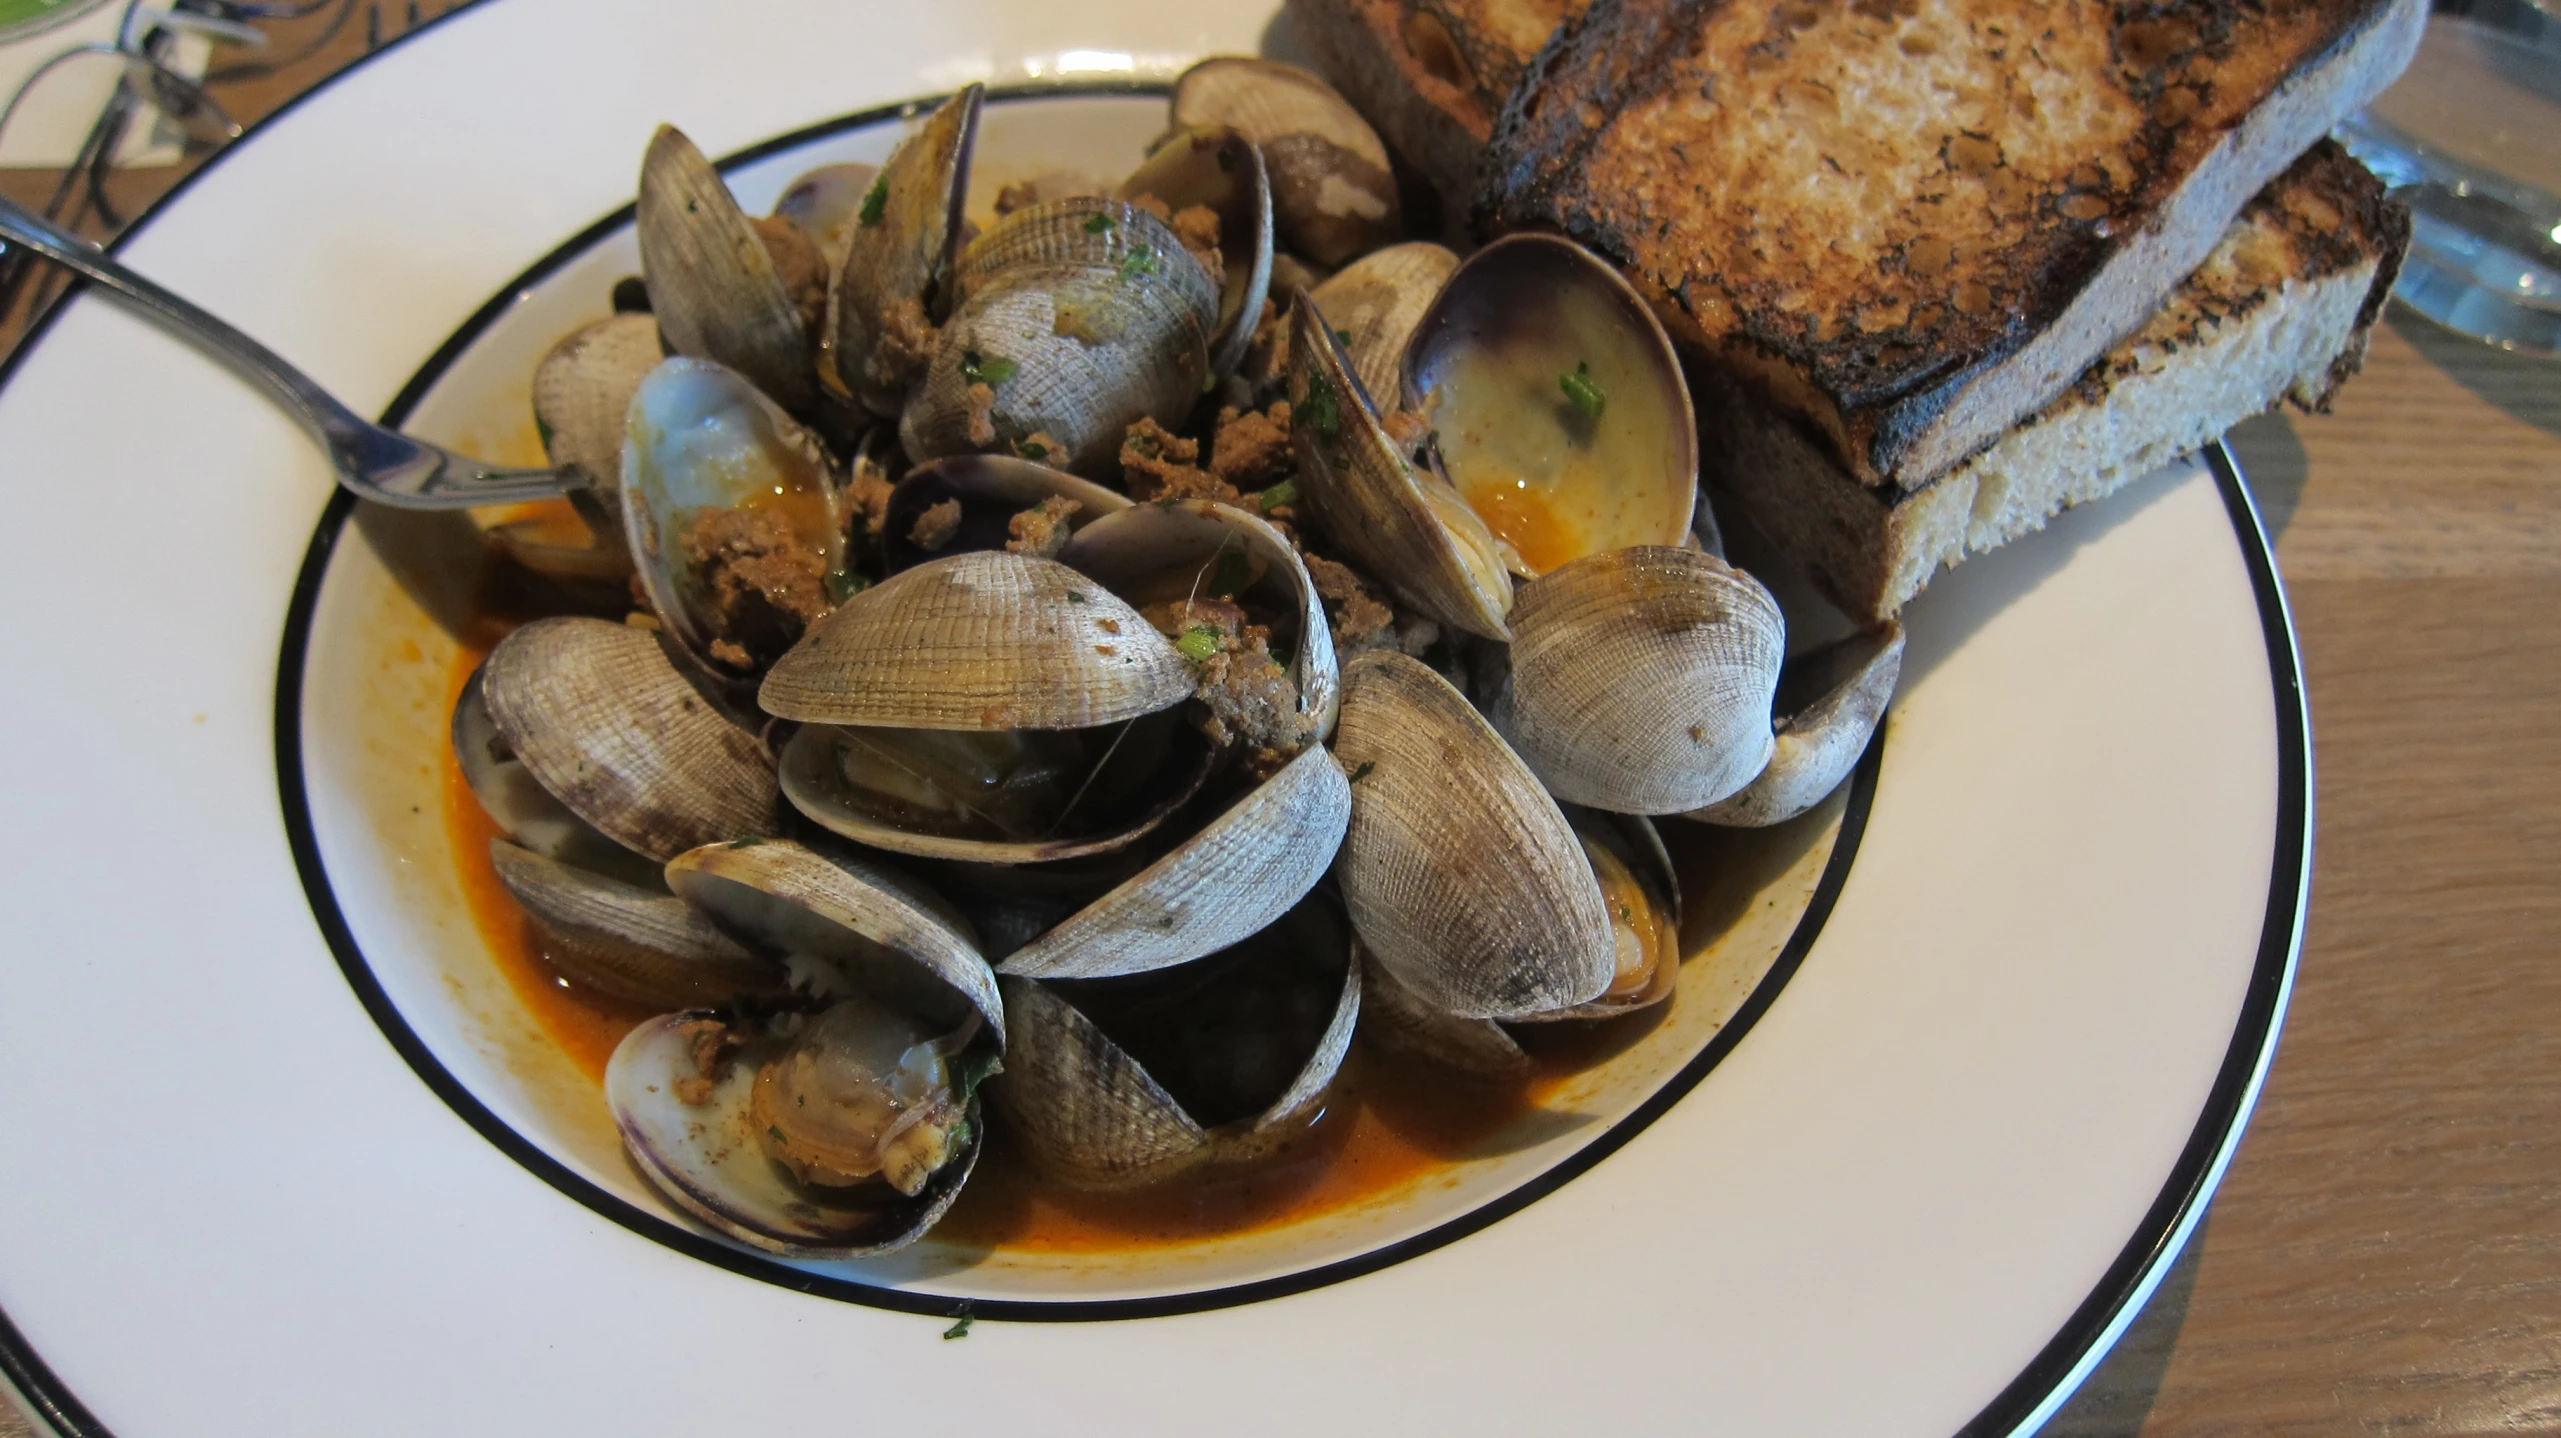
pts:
[1158, 464]
[1251, 450]
[934, 528]
[1042, 530]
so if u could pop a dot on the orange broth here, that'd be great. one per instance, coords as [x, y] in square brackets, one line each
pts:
[1389, 1122]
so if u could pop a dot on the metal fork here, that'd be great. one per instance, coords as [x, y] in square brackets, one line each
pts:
[374, 462]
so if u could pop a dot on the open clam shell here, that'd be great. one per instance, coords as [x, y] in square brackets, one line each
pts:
[1818, 745]
[1219, 168]
[707, 1156]
[1642, 679]
[1333, 193]
[520, 806]
[826, 203]
[1407, 527]
[1461, 874]
[1396, 1016]
[898, 254]
[582, 395]
[1642, 896]
[1558, 409]
[712, 284]
[1245, 869]
[605, 724]
[1117, 1083]
[635, 943]
[1376, 302]
[989, 490]
[731, 514]
[1067, 357]
[1151, 553]
[996, 797]
[985, 640]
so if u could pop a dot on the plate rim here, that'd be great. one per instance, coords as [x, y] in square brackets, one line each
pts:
[2093, 1327]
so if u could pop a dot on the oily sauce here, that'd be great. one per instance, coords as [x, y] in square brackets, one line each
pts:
[1389, 1121]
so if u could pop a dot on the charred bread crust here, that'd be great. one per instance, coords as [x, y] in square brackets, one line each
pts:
[2280, 311]
[1791, 186]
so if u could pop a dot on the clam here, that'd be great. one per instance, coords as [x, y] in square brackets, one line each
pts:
[880, 309]
[1817, 746]
[1115, 1083]
[1642, 679]
[606, 725]
[1401, 1019]
[984, 641]
[1180, 550]
[713, 284]
[1333, 193]
[1405, 526]
[520, 806]
[1462, 876]
[972, 501]
[581, 397]
[835, 1134]
[1221, 170]
[1558, 410]
[637, 943]
[1376, 302]
[1642, 896]
[731, 514]
[1076, 320]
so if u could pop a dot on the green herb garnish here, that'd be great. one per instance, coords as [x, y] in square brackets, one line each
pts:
[1137, 265]
[1363, 771]
[959, 1328]
[542, 432]
[1343, 338]
[1199, 642]
[876, 204]
[1321, 409]
[1280, 496]
[1579, 388]
[844, 584]
[1031, 449]
[1098, 223]
[989, 370]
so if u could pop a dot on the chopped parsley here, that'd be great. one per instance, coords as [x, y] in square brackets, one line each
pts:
[1280, 496]
[1137, 265]
[1098, 223]
[959, 1328]
[1322, 410]
[1585, 394]
[844, 584]
[1363, 771]
[1199, 643]
[876, 204]
[989, 370]
[1031, 449]
[1343, 338]
[1231, 574]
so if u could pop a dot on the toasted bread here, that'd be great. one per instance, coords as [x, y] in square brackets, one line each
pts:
[1914, 222]
[2279, 311]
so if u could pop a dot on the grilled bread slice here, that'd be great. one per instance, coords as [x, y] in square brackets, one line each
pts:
[1913, 222]
[2279, 311]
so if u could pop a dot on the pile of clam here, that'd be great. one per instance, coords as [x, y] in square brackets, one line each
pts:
[939, 777]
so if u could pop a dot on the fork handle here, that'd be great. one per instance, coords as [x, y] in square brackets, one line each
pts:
[333, 422]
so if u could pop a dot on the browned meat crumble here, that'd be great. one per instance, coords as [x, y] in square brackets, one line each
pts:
[1042, 531]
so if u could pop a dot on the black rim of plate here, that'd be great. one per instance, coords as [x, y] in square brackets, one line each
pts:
[2146, 1253]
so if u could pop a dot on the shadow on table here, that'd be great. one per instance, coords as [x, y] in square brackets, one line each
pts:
[2117, 1399]
[2527, 387]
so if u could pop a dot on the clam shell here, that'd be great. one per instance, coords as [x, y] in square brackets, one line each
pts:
[1124, 550]
[1818, 745]
[609, 728]
[520, 806]
[1220, 168]
[1642, 679]
[813, 779]
[992, 489]
[1378, 300]
[1091, 1113]
[1461, 874]
[1333, 193]
[1245, 869]
[630, 942]
[1094, 350]
[1409, 529]
[1632, 840]
[888, 935]
[903, 251]
[700, 439]
[1084, 232]
[582, 395]
[706, 1158]
[1560, 412]
[986, 640]
[1398, 1017]
[712, 285]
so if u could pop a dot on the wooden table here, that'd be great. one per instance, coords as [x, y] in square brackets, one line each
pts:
[2385, 1253]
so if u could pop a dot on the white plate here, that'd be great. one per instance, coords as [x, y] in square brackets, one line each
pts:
[1920, 1193]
